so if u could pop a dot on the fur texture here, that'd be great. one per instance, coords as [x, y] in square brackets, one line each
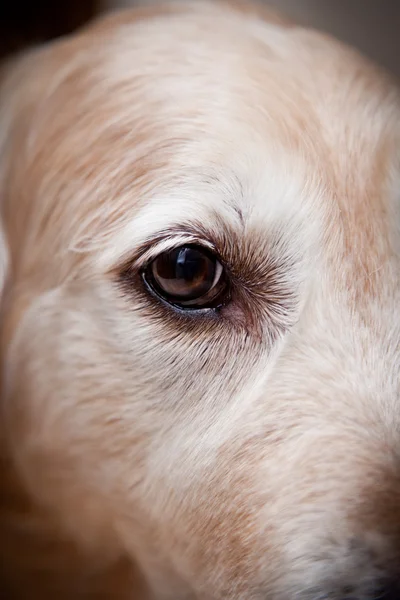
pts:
[154, 454]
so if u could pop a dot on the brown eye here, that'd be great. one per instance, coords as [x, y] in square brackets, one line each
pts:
[188, 276]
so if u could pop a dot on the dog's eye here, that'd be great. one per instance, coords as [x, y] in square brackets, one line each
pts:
[188, 276]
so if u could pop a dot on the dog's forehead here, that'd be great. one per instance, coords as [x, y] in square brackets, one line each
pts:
[279, 126]
[163, 119]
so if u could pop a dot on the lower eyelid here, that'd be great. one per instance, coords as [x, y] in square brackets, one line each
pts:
[181, 309]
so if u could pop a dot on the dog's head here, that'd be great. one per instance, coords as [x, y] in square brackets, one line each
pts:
[201, 302]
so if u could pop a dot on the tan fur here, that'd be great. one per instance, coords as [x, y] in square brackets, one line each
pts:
[150, 454]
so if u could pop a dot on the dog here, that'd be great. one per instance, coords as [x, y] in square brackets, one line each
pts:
[200, 275]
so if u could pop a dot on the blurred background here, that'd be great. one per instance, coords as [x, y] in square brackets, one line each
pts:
[371, 25]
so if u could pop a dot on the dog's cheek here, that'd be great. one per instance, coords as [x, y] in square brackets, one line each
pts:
[79, 433]
[54, 418]
[83, 444]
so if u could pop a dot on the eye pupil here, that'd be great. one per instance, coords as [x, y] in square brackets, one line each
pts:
[189, 265]
[187, 276]
[184, 273]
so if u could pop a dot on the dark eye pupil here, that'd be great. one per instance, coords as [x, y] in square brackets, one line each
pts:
[184, 273]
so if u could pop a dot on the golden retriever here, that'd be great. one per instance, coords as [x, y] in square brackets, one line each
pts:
[200, 267]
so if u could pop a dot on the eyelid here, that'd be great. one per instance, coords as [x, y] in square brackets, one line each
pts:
[152, 248]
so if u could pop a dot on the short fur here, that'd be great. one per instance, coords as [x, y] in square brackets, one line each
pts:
[154, 454]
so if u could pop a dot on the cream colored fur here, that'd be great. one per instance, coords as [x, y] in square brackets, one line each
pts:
[150, 455]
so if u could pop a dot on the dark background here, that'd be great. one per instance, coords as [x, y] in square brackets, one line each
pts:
[371, 25]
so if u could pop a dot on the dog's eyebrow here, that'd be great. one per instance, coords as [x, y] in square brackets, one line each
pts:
[190, 215]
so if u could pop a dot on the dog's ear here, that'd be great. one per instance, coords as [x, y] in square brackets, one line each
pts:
[6, 127]
[4, 260]
[4, 253]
